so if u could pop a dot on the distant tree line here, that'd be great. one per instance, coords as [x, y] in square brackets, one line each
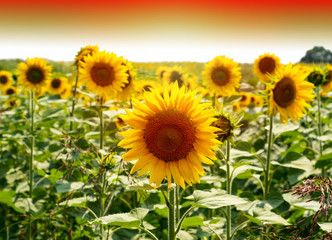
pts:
[317, 55]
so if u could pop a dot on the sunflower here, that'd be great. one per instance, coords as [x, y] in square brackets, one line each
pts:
[266, 64]
[58, 85]
[226, 123]
[103, 73]
[5, 80]
[171, 136]
[244, 100]
[222, 75]
[289, 94]
[10, 91]
[160, 72]
[327, 84]
[175, 74]
[129, 87]
[35, 74]
[147, 86]
[85, 51]
[316, 76]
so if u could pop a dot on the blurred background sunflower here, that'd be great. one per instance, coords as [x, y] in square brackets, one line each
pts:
[103, 73]
[222, 76]
[289, 94]
[266, 64]
[34, 74]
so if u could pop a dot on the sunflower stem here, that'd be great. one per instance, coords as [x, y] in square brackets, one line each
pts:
[319, 127]
[268, 159]
[101, 117]
[177, 202]
[229, 191]
[74, 100]
[171, 215]
[101, 204]
[32, 146]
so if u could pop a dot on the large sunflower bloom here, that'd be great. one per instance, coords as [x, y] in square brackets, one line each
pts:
[171, 136]
[289, 94]
[35, 74]
[5, 80]
[103, 73]
[266, 64]
[222, 75]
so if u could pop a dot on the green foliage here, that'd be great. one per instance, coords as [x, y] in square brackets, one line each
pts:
[317, 54]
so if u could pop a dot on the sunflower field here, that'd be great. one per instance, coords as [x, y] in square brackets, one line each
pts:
[105, 148]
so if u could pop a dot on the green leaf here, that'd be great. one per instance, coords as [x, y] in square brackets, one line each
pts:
[55, 175]
[275, 199]
[192, 222]
[297, 147]
[215, 200]
[324, 160]
[62, 187]
[261, 211]
[126, 220]
[78, 202]
[6, 197]
[26, 205]
[54, 147]
[302, 163]
[281, 128]
[183, 235]
[325, 226]
[82, 143]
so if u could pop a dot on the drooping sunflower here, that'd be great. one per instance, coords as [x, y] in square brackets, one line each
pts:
[222, 76]
[227, 124]
[5, 80]
[35, 74]
[171, 136]
[327, 84]
[85, 51]
[129, 87]
[175, 74]
[266, 64]
[103, 73]
[58, 85]
[316, 76]
[289, 94]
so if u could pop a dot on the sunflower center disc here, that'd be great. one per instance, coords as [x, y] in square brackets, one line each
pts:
[175, 76]
[102, 75]
[35, 75]
[267, 65]
[169, 135]
[284, 92]
[10, 91]
[220, 76]
[147, 88]
[56, 83]
[3, 79]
